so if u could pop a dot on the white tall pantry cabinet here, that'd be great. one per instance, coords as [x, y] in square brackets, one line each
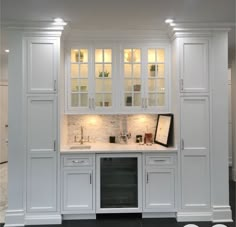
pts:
[37, 73]
[200, 80]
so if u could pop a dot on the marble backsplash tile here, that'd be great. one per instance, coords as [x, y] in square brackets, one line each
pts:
[101, 127]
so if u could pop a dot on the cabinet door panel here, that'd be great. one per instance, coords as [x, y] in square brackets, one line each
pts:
[195, 153]
[160, 189]
[194, 65]
[195, 123]
[78, 193]
[41, 183]
[41, 124]
[42, 65]
[195, 181]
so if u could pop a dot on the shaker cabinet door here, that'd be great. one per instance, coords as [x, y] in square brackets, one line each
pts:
[42, 59]
[194, 63]
[41, 183]
[78, 191]
[41, 124]
[160, 189]
[195, 167]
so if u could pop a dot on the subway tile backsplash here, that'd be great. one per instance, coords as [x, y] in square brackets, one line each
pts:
[100, 127]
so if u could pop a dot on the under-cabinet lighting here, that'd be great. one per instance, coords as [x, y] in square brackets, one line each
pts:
[172, 24]
[168, 21]
[7, 51]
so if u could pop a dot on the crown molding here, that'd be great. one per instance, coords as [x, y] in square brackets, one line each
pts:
[31, 26]
[113, 35]
[199, 29]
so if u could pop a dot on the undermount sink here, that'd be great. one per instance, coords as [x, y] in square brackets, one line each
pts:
[80, 146]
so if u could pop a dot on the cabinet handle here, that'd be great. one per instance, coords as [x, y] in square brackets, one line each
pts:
[142, 102]
[77, 161]
[147, 178]
[160, 160]
[90, 178]
[89, 103]
[182, 144]
[181, 84]
[55, 85]
[93, 103]
[146, 102]
[54, 145]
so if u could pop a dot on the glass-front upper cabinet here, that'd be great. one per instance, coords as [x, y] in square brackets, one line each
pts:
[156, 77]
[144, 72]
[79, 78]
[103, 78]
[89, 83]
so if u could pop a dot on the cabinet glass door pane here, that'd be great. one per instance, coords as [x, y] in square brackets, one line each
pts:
[79, 73]
[103, 77]
[132, 77]
[156, 77]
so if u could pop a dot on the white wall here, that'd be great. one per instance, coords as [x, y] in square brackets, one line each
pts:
[4, 67]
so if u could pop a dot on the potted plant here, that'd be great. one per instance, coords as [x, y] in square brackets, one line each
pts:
[81, 56]
[153, 69]
[103, 74]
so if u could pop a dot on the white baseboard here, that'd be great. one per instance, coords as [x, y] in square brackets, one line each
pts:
[221, 214]
[43, 219]
[159, 215]
[194, 216]
[14, 218]
[78, 216]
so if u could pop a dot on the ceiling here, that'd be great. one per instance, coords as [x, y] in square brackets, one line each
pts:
[119, 14]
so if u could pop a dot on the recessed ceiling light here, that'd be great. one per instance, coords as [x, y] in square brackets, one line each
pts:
[59, 21]
[172, 24]
[7, 51]
[168, 21]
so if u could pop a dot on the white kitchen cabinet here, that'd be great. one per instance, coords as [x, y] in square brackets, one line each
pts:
[41, 124]
[195, 167]
[41, 58]
[160, 193]
[41, 193]
[159, 182]
[106, 79]
[90, 79]
[194, 65]
[194, 124]
[77, 190]
[78, 184]
[144, 76]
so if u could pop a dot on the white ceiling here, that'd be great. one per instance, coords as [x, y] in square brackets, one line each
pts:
[128, 14]
[120, 14]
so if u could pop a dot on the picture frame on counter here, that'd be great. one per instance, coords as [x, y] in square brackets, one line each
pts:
[164, 129]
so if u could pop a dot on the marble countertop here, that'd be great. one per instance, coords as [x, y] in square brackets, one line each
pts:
[114, 147]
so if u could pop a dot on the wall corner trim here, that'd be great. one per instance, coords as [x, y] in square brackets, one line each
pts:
[221, 214]
[43, 219]
[195, 216]
[14, 218]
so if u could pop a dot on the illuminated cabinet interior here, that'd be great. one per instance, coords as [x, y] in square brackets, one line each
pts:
[144, 79]
[79, 74]
[133, 80]
[103, 77]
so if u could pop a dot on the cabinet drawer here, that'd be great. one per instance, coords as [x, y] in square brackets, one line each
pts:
[159, 160]
[77, 161]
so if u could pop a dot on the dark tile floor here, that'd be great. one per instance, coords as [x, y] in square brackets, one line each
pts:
[136, 221]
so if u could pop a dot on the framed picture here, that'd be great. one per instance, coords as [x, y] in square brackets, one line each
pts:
[164, 129]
